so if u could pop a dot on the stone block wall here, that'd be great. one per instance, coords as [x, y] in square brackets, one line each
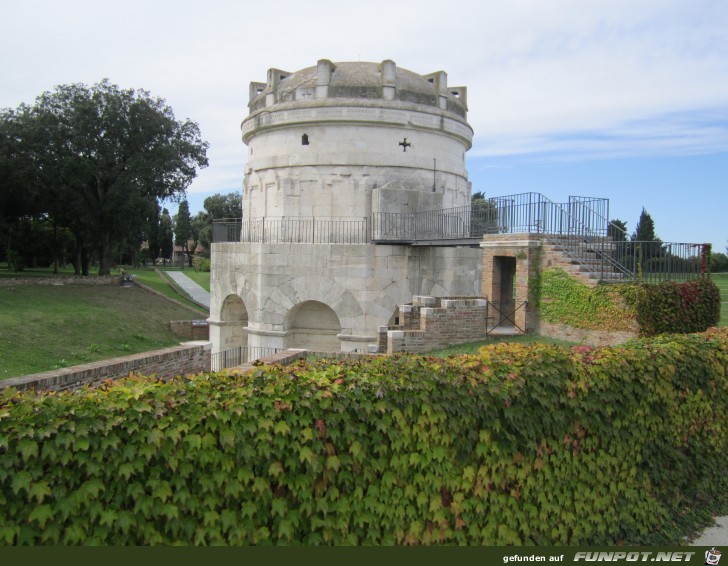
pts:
[187, 358]
[430, 323]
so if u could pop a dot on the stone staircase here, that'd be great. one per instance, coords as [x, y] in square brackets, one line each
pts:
[588, 260]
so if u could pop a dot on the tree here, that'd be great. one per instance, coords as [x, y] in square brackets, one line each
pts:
[183, 229]
[220, 206]
[617, 230]
[483, 215]
[101, 156]
[645, 230]
[201, 230]
[647, 244]
[718, 262]
[166, 236]
[217, 207]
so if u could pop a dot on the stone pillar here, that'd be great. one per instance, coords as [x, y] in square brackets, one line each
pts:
[389, 77]
[439, 82]
[324, 69]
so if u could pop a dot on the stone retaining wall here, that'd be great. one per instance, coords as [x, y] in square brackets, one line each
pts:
[187, 358]
[595, 338]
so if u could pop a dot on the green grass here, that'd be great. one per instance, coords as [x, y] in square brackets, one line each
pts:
[473, 347]
[150, 278]
[46, 327]
[721, 280]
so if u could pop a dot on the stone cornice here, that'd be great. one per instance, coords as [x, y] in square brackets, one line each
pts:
[360, 115]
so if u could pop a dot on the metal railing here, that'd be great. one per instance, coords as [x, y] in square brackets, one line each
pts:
[293, 230]
[226, 229]
[579, 228]
[655, 262]
[234, 357]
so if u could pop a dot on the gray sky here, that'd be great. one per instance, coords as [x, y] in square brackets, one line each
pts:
[549, 82]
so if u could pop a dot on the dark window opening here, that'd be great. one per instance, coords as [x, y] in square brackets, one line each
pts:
[304, 139]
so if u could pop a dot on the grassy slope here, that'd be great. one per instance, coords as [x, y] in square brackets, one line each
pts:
[151, 279]
[47, 327]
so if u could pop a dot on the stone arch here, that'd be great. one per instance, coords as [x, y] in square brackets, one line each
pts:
[313, 325]
[233, 321]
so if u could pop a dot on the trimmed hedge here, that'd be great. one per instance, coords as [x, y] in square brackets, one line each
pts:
[517, 445]
[691, 306]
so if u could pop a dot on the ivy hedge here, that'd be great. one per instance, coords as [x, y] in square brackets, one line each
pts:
[691, 306]
[516, 445]
[563, 299]
[668, 307]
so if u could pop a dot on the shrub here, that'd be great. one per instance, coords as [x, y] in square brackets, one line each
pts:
[669, 307]
[201, 263]
[517, 445]
[691, 306]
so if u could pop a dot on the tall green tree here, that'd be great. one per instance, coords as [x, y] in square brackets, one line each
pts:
[201, 231]
[650, 245]
[166, 235]
[183, 229]
[645, 229]
[617, 230]
[102, 155]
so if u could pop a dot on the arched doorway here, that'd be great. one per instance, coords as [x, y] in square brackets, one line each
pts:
[313, 325]
[233, 320]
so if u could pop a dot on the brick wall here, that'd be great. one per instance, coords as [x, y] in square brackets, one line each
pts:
[437, 322]
[187, 358]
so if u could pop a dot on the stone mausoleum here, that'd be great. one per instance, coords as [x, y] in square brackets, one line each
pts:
[340, 156]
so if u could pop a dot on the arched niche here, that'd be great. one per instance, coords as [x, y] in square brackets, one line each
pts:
[314, 326]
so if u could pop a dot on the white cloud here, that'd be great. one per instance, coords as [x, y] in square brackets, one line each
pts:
[558, 78]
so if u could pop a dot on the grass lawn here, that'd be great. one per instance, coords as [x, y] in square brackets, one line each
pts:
[473, 347]
[46, 327]
[721, 280]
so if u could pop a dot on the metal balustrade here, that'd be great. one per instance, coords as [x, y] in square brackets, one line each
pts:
[579, 228]
[234, 357]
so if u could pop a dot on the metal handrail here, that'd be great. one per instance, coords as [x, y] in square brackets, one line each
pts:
[579, 228]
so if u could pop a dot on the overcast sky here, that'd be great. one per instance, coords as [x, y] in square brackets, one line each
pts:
[622, 99]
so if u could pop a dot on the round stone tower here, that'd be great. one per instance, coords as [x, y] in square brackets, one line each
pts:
[342, 157]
